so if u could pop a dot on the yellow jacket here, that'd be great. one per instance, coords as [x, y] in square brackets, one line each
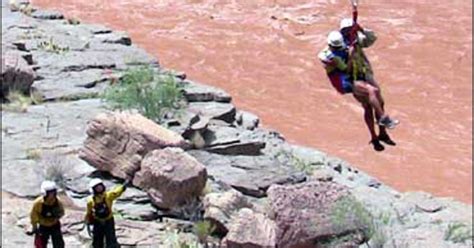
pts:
[42, 208]
[107, 197]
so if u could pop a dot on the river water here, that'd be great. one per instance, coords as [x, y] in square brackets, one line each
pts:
[263, 52]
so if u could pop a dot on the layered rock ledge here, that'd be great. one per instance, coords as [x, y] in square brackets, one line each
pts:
[213, 162]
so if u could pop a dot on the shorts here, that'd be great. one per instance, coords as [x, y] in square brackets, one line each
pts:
[342, 82]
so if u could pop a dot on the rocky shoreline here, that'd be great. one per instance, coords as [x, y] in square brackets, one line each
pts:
[257, 189]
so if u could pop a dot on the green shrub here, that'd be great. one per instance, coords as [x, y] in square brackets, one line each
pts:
[349, 209]
[298, 163]
[352, 210]
[152, 95]
[458, 233]
[202, 229]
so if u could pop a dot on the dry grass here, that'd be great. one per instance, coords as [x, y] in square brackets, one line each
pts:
[55, 168]
[33, 154]
[17, 102]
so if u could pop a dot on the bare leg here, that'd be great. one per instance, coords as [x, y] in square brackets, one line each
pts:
[369, 121]
[382, 129]
[364, 89]
[383, 135]
[368, 116]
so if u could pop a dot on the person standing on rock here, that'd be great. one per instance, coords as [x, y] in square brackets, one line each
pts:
[337, 59]
[99, 213]
[45, 215]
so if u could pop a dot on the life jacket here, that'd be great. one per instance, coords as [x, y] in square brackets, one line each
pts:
[327, 56]
[49, 211]
[101, 210]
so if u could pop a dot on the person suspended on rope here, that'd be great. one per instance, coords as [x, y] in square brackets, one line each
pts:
[45, 217]
[99, 213]
[337, 59]
[355, 35]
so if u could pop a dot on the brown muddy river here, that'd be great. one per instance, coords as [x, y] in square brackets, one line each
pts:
[263, 52]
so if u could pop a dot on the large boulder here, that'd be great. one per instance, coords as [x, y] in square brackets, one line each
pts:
[16, 73]
[171, 177]
[312, 213]
[220, 207]
[117, 142]
[251, 230]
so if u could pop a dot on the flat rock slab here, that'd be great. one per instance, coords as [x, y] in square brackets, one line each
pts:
[197, 92]
[232, 141]
[144, 212]
[43, 129]
[251, 175]
[47, 15]
[79, 52]
[423, 201]
[214, 110]
[48, 126]
[71, 85]
[115, 38]
[22, 178]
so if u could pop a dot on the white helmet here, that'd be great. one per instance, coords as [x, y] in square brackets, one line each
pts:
[94, 182]
[47, 186]
[335, 39]
[346, 23]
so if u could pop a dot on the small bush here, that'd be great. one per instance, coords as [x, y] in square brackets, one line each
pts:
[458, 233]
[31, 34]
[352, 210]
[55, 166]
[152, 95]
[349, 209]
[203, 229]
[297, 162]
[51, 46]
[17, 102]
[33, 153]
[173, 240]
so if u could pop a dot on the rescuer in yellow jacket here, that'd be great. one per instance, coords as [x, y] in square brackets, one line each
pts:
[45, 215]
[99, 213]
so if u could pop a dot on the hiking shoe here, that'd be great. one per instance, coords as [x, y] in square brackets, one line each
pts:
[386, 139]
[377, 146]
[388, 122]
